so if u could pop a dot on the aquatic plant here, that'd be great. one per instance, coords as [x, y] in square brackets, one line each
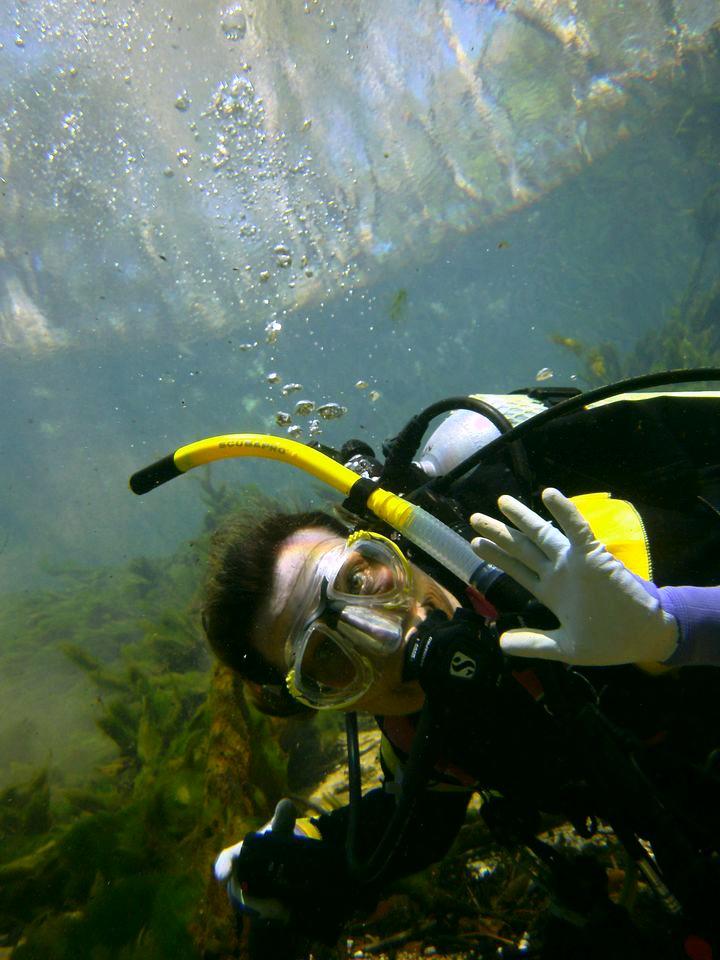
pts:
[113, 864]
[690, 337]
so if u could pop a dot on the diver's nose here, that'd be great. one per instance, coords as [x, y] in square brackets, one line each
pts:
[416, 614]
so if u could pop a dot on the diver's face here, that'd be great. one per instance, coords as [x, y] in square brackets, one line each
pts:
[389, 693]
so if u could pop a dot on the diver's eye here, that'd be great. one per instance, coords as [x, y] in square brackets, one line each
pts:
[360, 581]
[361, 577]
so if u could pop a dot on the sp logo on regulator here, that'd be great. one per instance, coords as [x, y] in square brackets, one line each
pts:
[462, 666]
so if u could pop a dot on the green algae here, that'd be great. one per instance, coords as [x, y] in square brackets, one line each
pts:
[398, 306]
[689, 338]
[24, 815]
[113, 863]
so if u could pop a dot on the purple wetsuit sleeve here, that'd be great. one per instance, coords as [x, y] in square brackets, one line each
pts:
[697, 611]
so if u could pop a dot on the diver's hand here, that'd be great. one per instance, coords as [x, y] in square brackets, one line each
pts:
[230, 868]
[606, 617]
[452, 657]
[286, 874]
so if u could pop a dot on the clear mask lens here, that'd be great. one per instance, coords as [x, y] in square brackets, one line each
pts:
[369, 572]
[329, 670]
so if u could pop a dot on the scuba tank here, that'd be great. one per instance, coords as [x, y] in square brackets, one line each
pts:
[464, 432]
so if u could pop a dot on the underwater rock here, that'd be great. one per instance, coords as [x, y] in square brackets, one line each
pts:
[178, 170]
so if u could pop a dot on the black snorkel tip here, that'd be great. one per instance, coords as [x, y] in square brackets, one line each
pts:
[154, 475]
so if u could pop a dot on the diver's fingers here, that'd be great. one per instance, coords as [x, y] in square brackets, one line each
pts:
[512, 541]
[530, 643]
[224, 861]
[543, 534]
[576, 527]
[487, 550]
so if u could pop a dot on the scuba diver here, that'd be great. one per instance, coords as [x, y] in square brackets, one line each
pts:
[387, 609]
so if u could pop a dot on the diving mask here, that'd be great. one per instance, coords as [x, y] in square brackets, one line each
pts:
[357, 603]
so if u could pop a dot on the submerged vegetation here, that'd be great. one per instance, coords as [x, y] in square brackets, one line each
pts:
[689, 338]
[113, 863]
[102, 864]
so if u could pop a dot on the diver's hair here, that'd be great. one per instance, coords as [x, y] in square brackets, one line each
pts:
[242, 560]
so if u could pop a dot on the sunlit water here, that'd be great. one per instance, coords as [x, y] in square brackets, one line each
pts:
[135, 314]
[605, 257]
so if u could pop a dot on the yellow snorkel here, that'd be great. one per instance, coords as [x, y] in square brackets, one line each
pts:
[420, 527]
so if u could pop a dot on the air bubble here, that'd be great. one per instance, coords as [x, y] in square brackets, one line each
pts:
[233, 22]
[220, 157]
[272, 330]
[331, 411]
[236, 99]
[283, 257]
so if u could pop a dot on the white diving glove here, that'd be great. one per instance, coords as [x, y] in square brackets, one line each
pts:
[605, 615]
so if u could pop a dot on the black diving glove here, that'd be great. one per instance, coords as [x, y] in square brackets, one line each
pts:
[282, 877]
[453, 657]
